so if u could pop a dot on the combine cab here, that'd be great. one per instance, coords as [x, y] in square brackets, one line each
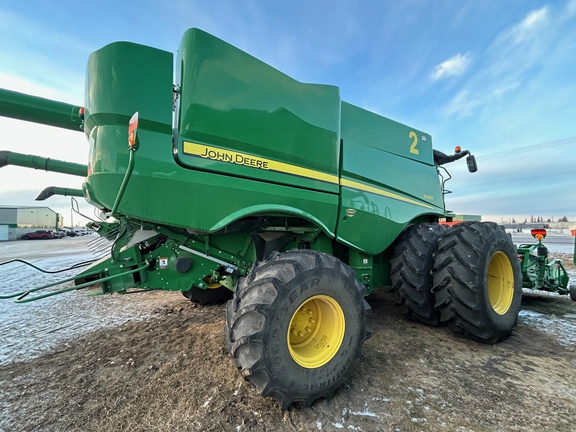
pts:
[237, 181]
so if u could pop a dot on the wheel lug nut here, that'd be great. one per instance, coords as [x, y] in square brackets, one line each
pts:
[311, 320]
[308, 329]
[301, 334]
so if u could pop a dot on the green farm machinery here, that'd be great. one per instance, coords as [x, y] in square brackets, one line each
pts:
[540, 273]
[216, 175]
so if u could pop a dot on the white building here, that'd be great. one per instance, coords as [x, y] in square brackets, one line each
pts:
[15, 221]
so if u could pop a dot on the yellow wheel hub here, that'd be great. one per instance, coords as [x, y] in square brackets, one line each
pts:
[209, 284]
[500, 283]
[316, 331]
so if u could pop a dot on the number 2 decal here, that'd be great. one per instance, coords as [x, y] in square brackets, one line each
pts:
[414, 137]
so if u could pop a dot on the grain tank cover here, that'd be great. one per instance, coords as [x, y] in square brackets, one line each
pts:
[121, 79]
[241, 117]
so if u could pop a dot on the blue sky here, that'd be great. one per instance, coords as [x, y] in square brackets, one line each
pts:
[497, 78]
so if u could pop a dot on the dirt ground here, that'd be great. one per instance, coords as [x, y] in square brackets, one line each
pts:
[169, 370]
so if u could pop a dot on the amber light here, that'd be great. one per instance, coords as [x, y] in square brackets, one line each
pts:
[458, 149]
[538, 233]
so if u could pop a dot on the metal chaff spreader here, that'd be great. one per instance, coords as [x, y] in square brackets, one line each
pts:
[217, 175]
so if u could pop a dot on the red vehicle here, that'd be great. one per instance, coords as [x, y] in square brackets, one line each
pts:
[40, 234]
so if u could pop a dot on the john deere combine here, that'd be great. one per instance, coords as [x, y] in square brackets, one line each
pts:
[218, 176]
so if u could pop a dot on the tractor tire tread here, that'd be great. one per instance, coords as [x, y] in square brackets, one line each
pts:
[459, 277]
[411, 267]
[248, 318]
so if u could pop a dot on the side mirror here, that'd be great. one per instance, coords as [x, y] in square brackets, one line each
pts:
[471, 162]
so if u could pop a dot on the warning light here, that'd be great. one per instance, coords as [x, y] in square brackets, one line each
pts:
[458, 149]
[81, 113]
[133, 130]
[538, 233]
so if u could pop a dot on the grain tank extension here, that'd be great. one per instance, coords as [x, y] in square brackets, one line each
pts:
[218, 176]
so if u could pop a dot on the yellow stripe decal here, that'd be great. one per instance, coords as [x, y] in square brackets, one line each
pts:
[377, 191]
[222, 155]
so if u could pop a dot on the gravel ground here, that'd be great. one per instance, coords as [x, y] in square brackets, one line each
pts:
[156, 362]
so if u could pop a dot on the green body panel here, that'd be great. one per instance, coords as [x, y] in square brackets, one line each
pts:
[209, 202]
[376, 164]
[160, 190]
[123, 78]
[234, 102]
[39, 110]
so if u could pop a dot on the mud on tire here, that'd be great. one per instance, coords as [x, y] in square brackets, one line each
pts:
[477, 281]
[411, 267]
[296, 326]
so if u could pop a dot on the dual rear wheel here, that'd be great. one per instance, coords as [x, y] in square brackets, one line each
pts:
[467, 277]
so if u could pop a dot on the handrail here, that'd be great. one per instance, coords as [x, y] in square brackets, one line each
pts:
[22, 297]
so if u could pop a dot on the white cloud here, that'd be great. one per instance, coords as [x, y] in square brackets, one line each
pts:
[529, 26]
[464, 102]
[454, 66]
[509, 63]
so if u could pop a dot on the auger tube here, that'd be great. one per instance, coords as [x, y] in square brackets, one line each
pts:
[54, 190]
[35, 109]
[38, 162]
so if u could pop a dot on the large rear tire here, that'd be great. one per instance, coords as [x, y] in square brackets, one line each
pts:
[296, 326]
[411, 267]
[573, 292]
[477, 281]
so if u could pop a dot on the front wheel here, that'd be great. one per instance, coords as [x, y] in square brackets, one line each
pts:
[296, 326]
[477, 281]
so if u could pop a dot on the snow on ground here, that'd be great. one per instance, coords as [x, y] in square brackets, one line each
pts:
[28, 330]
[561, 328]
[31, 329]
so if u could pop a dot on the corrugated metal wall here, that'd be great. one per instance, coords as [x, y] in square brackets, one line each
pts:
[8, 216]
[37, 217]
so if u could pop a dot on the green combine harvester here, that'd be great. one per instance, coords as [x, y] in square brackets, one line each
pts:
[218, 176]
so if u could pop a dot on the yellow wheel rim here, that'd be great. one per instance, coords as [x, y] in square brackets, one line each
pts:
[500, 283]
[210, 285]
[316, 331]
